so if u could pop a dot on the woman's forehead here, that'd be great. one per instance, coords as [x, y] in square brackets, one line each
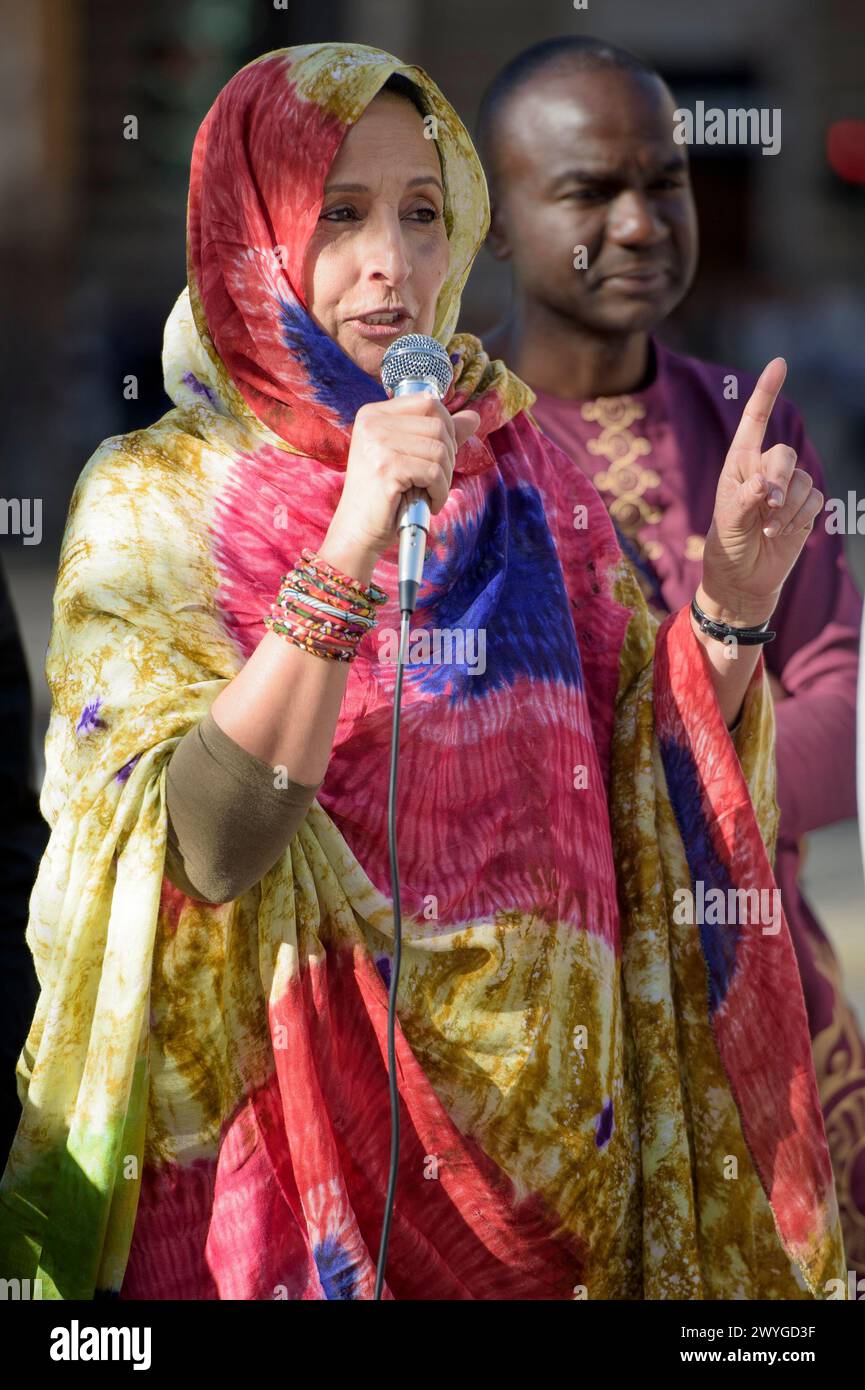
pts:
[390, 135]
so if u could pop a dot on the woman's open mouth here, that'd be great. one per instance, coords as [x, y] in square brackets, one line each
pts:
[388, 323]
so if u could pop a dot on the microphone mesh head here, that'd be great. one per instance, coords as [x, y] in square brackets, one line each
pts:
[412, 356]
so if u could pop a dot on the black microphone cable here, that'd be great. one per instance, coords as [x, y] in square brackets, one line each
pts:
[397, 955]
[412, 363]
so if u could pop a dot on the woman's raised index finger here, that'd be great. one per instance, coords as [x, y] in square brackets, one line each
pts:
[755, 416]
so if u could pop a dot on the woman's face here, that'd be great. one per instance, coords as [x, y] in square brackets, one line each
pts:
[380, 244]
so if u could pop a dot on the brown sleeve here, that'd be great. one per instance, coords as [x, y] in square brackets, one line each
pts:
[227, 821]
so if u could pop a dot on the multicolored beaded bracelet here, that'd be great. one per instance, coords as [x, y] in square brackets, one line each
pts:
[300, 579]
[322, 610]
[308, 642]
[335, 600]
[368, 591]
[298, 601]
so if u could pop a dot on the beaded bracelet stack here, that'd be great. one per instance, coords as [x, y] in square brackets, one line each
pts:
[323, 610]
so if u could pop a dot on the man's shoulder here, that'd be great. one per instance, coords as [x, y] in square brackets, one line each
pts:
[727, 390]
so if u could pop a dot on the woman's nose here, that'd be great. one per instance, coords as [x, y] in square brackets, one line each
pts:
[385, 252]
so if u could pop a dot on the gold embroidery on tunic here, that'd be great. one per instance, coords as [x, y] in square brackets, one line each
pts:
[625, 479]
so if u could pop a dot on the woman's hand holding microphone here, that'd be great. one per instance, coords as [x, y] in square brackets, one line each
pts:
[402, 443]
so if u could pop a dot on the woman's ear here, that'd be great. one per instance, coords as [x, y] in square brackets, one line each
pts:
[497, 239]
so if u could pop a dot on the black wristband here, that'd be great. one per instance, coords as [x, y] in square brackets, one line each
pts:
[748, 636]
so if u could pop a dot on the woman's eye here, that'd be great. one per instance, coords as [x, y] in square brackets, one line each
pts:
[346, 213]
[332, 215]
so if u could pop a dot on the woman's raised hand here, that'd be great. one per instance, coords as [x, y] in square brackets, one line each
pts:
[404, 442]
[764, 512]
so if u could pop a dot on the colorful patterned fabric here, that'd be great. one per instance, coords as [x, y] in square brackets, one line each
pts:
[655, 456]
[598, 1099]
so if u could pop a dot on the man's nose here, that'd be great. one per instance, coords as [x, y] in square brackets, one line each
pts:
[634, 222]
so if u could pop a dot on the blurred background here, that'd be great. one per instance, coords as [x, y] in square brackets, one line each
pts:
[93, 232]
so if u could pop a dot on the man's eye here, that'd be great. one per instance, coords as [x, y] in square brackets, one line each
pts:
[585, 195]
[666, 184]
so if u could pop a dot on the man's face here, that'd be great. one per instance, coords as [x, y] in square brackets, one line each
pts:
[588, 159]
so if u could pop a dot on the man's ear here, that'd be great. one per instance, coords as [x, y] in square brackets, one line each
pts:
[497, 242]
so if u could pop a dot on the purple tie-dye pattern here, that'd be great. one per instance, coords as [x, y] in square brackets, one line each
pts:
[89, 719]
[336, 1268]
[124, 772]
[383, 966]
[199, 387]
[604, 1125]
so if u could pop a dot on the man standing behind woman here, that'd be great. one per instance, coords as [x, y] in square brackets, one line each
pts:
[592, 205]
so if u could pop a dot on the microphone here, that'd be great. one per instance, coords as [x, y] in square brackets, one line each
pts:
[413, 365]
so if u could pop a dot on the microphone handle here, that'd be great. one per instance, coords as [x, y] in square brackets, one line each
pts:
[414, 515]
[414, 522]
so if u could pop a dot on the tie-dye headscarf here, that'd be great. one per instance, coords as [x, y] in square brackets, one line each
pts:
[601, 1096]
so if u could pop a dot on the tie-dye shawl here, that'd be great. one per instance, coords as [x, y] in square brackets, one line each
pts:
[598, 1098]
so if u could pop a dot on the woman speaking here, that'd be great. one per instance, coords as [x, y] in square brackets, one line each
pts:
[606, 1088]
